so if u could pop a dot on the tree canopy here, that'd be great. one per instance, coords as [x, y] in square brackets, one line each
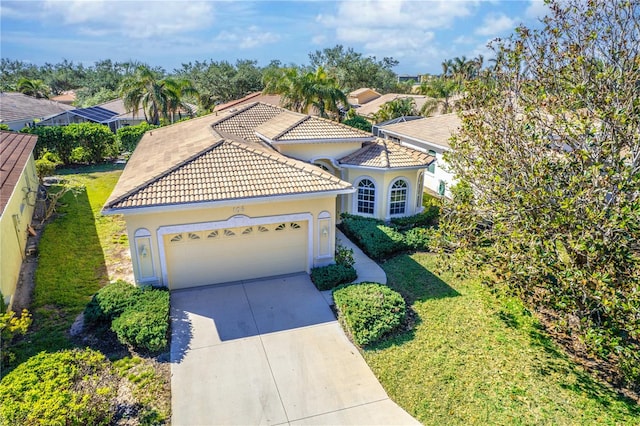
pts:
[548, 157]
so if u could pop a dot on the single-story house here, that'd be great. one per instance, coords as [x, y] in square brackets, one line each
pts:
[255, 193]
[367, 102]
[18, 193]
[430, 135]
[18, 110]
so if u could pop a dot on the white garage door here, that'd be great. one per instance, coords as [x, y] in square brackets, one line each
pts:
[221, 255]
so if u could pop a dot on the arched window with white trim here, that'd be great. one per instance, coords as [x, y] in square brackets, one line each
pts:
[398, 197]
[366, 197]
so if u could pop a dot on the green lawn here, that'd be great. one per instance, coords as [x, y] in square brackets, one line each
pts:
[474, 359]
[71, 263]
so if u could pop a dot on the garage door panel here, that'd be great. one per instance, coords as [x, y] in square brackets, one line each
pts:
[231, 254]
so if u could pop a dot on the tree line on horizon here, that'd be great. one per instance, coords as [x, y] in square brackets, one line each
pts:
[323, 84]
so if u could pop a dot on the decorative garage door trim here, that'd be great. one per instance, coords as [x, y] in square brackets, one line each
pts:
[233, 222]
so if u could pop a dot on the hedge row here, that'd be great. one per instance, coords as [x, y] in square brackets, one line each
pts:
[138, 316]
[369, 311]
[381, 241]
[330, 276]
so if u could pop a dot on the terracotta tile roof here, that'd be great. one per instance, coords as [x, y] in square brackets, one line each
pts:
[162, 149]
[370, 108]
[318, 129]
[243, 122]
[436, 130]
[230, 170]
[231, 106]
[387, 154]
[17, 106]
[15, 149]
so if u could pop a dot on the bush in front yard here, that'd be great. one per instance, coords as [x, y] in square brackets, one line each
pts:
[74, 387]
[330, 276]
[111, 301]
[145, 325]
[369, 310]
[376, 239]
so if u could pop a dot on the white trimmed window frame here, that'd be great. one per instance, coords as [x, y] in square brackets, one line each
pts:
[376, 196]
[407, 197]
[233, 222]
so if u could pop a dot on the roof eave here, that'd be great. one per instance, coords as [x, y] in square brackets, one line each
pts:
[223, 203]
[353, 166]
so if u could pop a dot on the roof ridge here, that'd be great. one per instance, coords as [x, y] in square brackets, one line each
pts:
[283, 159]
[163, 174]
[293, 126]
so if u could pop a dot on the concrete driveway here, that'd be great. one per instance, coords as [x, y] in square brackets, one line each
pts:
[269, 352]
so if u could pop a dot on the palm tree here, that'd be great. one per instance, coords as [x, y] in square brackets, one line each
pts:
[35, 88]
[398, 107]
[159, 98]
[441, 89]
[301, 91]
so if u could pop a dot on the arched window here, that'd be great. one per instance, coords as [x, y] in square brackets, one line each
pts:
[432, 167]
[398, 197]
[366, 196]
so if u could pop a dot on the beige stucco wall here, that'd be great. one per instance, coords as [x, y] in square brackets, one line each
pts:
[14, 221]
[249, 208]
[383, 180]
[314, 151]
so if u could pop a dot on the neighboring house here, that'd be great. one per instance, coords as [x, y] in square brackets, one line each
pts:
[18, 190]
[255, 193]
[430, 135]
[367, 102]
[112, 114]
[19, 111]
[68, 97]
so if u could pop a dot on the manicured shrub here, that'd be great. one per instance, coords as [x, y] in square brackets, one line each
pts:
[369, 311]
[11, 325]
[376, 239]
[145, 325]
[80, 155]
[111, 301]
[330, 276]
[74, 387]
[428, 218]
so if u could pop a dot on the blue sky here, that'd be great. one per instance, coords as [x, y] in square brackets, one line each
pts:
[419, 34]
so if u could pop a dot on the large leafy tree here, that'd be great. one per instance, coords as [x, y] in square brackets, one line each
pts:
[549, 157]
[158, 97]
[302, 90]
[352, 70]
[219, 82]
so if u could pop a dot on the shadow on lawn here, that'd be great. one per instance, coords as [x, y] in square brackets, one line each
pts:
[416, 284]
[71, 268]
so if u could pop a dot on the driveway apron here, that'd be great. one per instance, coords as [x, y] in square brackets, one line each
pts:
[269, 352]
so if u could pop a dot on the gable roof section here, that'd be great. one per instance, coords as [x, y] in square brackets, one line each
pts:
[15, 149]
[387, 154]
[227, 171]
[435, 130]
[17, 106]
[162, 149]
[264, 98]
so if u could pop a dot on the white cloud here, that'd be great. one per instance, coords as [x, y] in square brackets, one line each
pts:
[495, 24]
[129, 19]
[398, 28]
[537, 9]
[248, 38]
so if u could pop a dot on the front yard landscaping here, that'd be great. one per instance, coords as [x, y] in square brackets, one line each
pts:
[474, 357]
[80, 252]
